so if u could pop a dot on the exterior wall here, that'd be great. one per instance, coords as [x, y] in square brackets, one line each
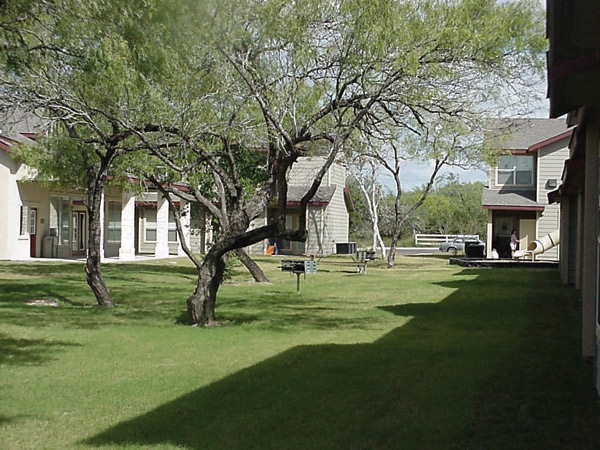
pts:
[12, 244]
[153, 210]
[551, 160]
[112, 246]
[336, 221]
[35, 196]
[569, 249]
[326, 225]
[7, 233]
[489, 233]
[589, 275]
[260, 248]
[317, 231]
[330, 224]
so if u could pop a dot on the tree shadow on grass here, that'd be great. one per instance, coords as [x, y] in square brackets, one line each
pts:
[424, 385]
[28, 352]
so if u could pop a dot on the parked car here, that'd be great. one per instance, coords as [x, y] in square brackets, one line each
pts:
[457, 245]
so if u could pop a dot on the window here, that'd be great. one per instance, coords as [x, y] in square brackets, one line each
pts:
[149, 216]
[24, 224]
[172, 227]
[150, 225]
[32, 226]
[59, 219]
[515, 170]
[113, 231]
[64, 223]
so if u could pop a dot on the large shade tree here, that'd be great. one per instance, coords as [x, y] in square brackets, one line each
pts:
[94, 74]
[331, 71]
[291, 79]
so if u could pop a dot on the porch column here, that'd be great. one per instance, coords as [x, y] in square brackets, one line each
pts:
[127, 249]
[162, 228]
[590, 234]
[565, 246]
[489, 244]
[185, 210]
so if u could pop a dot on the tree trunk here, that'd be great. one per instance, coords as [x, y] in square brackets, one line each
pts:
[398, 223]
[92, 265]
[96, 282]
[254, 269]
[392, 253]
[201, 304]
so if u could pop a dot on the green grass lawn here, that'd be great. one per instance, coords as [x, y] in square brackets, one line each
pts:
[424, 356]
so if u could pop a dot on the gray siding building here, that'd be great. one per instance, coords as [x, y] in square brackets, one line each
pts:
[530, 164]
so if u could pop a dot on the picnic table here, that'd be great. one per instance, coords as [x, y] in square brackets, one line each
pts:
[362, 258]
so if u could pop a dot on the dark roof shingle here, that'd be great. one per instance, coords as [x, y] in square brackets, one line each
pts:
[521, 134]
[322, 196]
[510, 198]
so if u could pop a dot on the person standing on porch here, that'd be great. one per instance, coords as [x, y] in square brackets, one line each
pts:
[514, 242]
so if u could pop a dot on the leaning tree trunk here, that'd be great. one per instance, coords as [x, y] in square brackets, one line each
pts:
[201, 304]
[92, 265]
[254, 269]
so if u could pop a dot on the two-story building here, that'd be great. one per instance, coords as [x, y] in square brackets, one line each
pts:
[37, 221]
[574, 90]
[530, 164]
[328, 216]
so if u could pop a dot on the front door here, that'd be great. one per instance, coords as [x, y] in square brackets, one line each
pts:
[292, 222]
[32, 229]
[79, 232]
[526, 232]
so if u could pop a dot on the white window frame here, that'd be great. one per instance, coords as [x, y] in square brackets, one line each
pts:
[513, 171]
[24, 222]
[113, 225]
[172, 227]
[151, 226]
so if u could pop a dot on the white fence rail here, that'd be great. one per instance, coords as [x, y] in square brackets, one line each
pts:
[435, 240]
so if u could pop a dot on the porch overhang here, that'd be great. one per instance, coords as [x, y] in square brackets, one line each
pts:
[510, 200]
[321, 198]
[513, 208]
[565, 189]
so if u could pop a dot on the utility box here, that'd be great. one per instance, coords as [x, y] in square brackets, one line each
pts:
[345, 248]
[49, 249]
[474, 250]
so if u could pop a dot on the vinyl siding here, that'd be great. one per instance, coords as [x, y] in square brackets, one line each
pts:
[330, 224]
[326, 224]
[551, 159]
[336, 221]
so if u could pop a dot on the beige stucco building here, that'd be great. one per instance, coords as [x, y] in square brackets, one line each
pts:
[43, 222]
